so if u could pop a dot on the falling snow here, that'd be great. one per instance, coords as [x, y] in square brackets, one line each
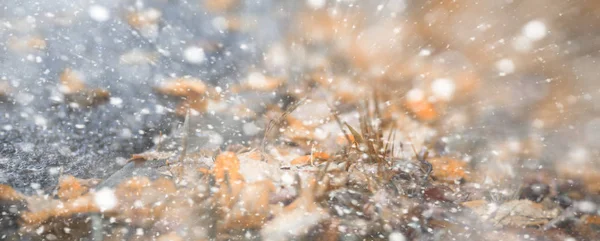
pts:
[299, 120]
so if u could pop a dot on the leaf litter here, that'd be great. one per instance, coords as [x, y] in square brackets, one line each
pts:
[341, 159]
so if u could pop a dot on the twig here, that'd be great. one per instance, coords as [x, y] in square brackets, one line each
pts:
[276, 122]
[184, 138]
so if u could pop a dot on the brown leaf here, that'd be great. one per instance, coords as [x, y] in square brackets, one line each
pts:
[70, 187]
[82, 204]
[143, 19]
[259, 82]
[183, 87]
[228, 179]
[449, 169]
[193, 90]
[172, 236]
[296, 219]
[252, 209]
[4, 88]
[220, 5]
[588, 174]
[310, 159]
[422, 109]
[227, 162]
[9, 194]
[150, 155]
[75, 90]
[26, 44]
[71, 81]
[515, 213]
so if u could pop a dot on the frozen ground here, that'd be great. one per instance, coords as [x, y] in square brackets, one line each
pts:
[40, 133]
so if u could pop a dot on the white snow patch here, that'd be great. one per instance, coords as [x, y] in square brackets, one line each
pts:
[415, 95]
[316, 4]
[397, 236]
[505, 66]
[287, 179]
[535, 30]
[443, 88]
[99, 13]
[35, 185]
[220, 23]
[126, 133]
[586, 206]
[522, 43]
[40, 120]
[194, 55]
[250, 129]
[105, 199]
[257, 80]
[116, 101]
[425, 52]
[579, 154]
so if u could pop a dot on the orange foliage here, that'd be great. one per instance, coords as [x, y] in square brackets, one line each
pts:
[8, 193]
[252, 210]
[70, 187]
[308, 159]
[422, 109]
[71, 81]
[194, 92]
[81, 204]
[220, 5]
[183, 87]
[227, 162]
[448, 169]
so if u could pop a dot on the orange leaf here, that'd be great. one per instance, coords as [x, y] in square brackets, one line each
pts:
[8, 193]
[448, 169]
[422, 109]
[316, 156]
[69, 188]
[227, 162]
[252, 210]
[183, 87]
[71, 81]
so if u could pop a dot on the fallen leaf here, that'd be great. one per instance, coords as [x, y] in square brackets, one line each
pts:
[71, 81]
[172, 236]
[143, 19]
[515, 213]
[258, 82]
[183, 87]
[82, 204]
[310, 159]
[9, 194]
[4, 88]
[252, 209]
[149, 155]
[591, 219]
[296, 219]
[70, 187]
[422, 109]
[227, 162]
[448, 169]
[72, 85]
[220, 5]
[26, 44]
[193, 90]
[228, 179]
[588, 174]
